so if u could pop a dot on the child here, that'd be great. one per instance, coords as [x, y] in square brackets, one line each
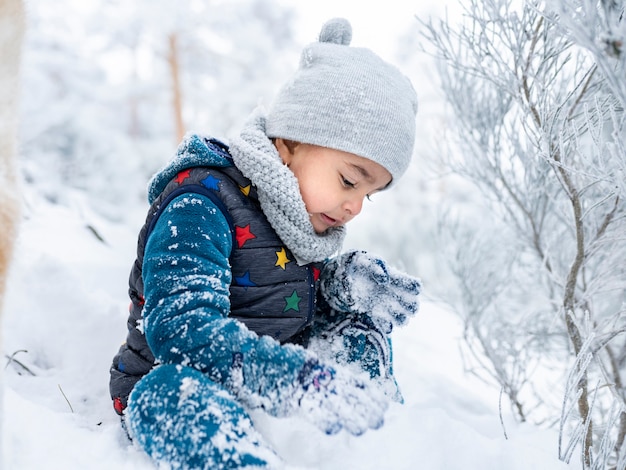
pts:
[237, 300]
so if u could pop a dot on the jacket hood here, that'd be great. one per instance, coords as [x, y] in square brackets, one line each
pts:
[193, 151]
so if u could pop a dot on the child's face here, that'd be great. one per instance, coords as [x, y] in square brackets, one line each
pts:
[333, 183]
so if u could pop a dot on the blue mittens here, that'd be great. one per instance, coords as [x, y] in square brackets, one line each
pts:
[359, 283]
[331, 398]
[335, 401]
[178, 415]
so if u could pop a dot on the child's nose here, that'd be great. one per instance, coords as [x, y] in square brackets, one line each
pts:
[353, 205]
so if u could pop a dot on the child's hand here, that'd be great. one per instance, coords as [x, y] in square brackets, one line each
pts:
[360, 283]
[335, 400]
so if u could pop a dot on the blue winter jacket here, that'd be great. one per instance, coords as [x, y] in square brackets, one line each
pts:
[208, 264]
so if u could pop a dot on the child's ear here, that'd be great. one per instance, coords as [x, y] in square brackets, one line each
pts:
[285, 150]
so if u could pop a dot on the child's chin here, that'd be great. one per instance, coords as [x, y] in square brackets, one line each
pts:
[320, 227]
[325, 231]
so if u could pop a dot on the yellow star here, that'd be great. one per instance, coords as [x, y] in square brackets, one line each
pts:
[245, 190]
[281, 258]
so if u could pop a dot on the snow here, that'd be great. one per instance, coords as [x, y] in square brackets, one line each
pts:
[65, 317]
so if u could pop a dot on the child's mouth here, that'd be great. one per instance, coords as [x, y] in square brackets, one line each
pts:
[329, 220]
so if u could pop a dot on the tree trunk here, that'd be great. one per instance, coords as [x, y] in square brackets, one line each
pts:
[12, 27]
[177, 100]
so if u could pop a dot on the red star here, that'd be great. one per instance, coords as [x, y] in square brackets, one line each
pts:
[316, 273]
[182, 176]
[243, 234]
[117, 404]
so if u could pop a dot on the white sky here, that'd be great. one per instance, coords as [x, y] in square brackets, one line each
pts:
[376, 25]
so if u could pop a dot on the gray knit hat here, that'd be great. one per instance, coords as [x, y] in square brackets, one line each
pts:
[347, 98]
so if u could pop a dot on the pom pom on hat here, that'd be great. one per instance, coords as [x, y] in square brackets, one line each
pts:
[347, 98]
[336, 31]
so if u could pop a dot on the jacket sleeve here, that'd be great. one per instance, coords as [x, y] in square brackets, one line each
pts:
[186, 285]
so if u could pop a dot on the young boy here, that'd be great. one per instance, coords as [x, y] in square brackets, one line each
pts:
[239, 299]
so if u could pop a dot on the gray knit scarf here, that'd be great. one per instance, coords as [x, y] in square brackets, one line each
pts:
[279, 194]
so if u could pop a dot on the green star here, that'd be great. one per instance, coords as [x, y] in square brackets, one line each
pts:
[292, 302]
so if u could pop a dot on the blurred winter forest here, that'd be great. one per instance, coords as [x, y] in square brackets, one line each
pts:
[513, 210]
[109, 87]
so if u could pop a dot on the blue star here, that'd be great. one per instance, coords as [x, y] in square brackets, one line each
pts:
[211, 182]
[244, 281]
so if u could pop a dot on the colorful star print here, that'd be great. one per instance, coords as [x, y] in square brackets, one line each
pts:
[292, 302]
[211, 182]
[182, 176]
[316, 273]
[244, 281]
[281, 258]
[245, 189]
[243, 234]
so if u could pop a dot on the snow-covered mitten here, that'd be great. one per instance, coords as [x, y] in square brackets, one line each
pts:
[360, 283]
[357, 343]
[183, 419]
[334, 400]
[288, 380]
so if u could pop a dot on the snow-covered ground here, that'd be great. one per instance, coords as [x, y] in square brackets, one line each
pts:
[65, 318]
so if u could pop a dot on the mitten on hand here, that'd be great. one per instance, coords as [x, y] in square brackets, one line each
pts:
[334, 400]
[288, 380]
[357, 282]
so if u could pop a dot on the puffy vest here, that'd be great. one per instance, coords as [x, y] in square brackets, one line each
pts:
[270, 293]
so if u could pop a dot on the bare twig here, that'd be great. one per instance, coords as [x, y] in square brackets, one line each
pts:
[12, 360]
[68, 402]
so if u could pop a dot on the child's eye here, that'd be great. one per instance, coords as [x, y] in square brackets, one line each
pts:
[347, 183]
[369, 198]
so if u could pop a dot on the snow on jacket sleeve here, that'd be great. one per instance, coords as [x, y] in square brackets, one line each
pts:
[186, 285]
